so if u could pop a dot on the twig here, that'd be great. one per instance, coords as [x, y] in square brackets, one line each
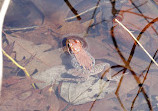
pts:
[72, 9]
[70, 18]
[20, 45]
[23, 68]
[140, 88]
[2, 15]
[20, 29]
[126, 63]
[93, 15]
[137, 42]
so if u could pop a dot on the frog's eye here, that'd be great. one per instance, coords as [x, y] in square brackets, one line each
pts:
[69, 44]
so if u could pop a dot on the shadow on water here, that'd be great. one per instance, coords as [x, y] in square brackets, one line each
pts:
[99, 15]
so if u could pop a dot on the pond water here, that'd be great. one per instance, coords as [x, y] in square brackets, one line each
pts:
[78, 57]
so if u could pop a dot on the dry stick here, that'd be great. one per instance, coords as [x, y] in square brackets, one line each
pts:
[139, 36]
[145, 95]
[19, 29]
[90, 23]
[140, 88]
[2, 15]
[142, 15]
[82, 13]
[72, 9]
[25, 63]
[133, 73]
[94, 7]
[138, 14]
[118, 88]
[137, 42]
[10, 37]
[23, 68]
[126, 65]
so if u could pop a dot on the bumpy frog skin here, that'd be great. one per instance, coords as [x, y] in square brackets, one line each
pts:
[74, 46]
[80, 57]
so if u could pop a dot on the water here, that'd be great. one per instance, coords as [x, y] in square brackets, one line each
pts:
[33, 34]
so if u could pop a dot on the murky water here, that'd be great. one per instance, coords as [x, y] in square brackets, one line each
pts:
[112, 71]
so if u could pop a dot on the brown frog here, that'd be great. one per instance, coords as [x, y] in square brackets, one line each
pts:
[76, 47]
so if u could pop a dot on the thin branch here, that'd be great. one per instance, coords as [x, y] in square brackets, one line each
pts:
[140, 88]
[137, 42]
[132, 72]
[73, 9]
[18, 65]
[82, 13]
[143, 15]
[93, 15]
[2, 15]
[20, 29]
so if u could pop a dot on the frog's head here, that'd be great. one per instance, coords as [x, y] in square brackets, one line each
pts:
[74, 46]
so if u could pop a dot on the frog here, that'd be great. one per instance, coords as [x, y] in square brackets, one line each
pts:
[76, 46]
[81, 60]
[80, 72]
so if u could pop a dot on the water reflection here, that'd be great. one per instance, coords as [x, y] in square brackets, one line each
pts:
[107, 42]
[23, 14]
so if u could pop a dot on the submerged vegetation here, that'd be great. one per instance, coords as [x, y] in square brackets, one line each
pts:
[124, 70]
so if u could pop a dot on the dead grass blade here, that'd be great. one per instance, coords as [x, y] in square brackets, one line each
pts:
[2, 15]
[23, 68]
[137, 42]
